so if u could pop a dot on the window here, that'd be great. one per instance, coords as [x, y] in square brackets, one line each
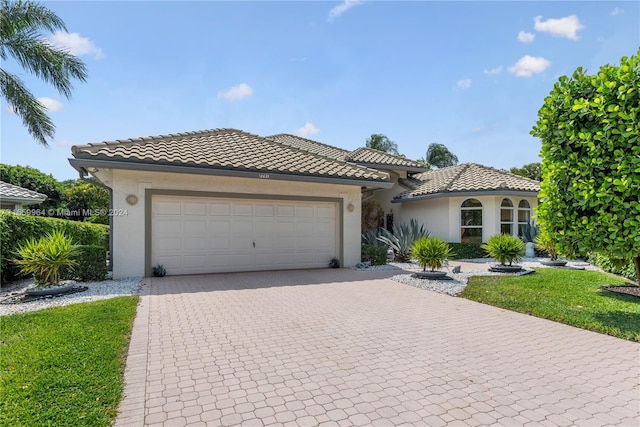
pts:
[471, 221]
[524, 216]
[506, 217]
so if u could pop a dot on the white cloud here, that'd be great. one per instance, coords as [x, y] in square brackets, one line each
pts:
[529, 65]
[235, 93]
[50, 104]
[342, 8]
[464, 84]
[567, 27]
[493, 71]
[616, 11]
[75, 44]
[307, 129]
[526, 37]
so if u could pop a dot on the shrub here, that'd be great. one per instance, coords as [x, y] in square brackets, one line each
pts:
[46, 257]
[92, 263]
[430, 252]
[547, 243]
[370, 237]
[505, 248]
[403, 237]
[334, 263]
[622, 268]
[377, 255]
[467, 250]
[158, 270]
[16, 229]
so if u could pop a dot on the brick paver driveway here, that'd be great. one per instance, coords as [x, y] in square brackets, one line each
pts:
[340, 347]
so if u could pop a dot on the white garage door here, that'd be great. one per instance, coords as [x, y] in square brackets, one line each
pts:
[195, 235]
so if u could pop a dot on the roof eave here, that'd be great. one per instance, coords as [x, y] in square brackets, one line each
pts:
[505, 192]
[82, 165]
[23, 200]
[389, 167]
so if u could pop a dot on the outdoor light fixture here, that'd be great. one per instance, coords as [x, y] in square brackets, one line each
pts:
[132, 199]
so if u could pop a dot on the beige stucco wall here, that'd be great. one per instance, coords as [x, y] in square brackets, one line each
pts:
[129, 230]
[442, 215]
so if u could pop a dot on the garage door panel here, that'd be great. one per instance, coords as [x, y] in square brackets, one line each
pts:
[192, 235]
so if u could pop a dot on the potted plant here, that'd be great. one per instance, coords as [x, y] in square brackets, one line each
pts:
[431, 252]
[546, 242]
[45, 258]
[506, 249]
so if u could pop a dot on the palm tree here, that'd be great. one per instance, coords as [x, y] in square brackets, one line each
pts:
[382, 143]
[439, 156]
[21, 23]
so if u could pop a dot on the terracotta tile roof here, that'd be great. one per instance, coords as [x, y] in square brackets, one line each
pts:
[376, 157]
[363, 155]
[225, 149]
[13, 192]
[310, 146]
[467, 177]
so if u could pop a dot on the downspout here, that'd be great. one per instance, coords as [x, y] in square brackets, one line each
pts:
[83, 176]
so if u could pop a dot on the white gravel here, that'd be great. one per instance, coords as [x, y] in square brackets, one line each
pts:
[459, 280]
[96, 291]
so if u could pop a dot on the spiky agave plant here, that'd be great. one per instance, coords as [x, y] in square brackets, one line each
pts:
[431, 252]
[403, 237]
[46, 257]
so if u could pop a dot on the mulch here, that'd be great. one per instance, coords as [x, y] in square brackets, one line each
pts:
[625, 290]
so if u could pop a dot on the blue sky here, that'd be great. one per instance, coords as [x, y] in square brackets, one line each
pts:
[470, 75]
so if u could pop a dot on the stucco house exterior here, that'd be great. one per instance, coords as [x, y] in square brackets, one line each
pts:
[14, 198]
[225, 200]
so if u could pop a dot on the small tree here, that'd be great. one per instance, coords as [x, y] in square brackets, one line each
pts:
[590, 131]
[530, 170]
[439, 156]
[381, 142]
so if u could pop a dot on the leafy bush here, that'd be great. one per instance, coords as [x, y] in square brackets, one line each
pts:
[504, 248]
[467, 250]
[430, 252]
[46, 257]
[16, 229]
[34, 180]
[621, 267]
[377, 255]
[546, 242]
[403, 237]
[92, 263]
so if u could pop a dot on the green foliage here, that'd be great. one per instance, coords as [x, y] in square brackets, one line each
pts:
[382, 143]
[623, 268]
[21, 36]
[530, 232]
[16, 228]
[377, 255]
[430, 252]
[46, 257]
[530, 170]
[403, 237]
[34, 180]
[504, 248]
[467, 250]
[439, 156]
[590, 131]
[91, 263]
[547, 242]
[63, 366]
[569, 296]
[84, 197]
[370, 237]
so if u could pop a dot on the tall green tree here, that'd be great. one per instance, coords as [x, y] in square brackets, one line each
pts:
[21, 26]
[381, 142]
[590, 131]
[530, 170]
[439, 156]
[34, 180]
[88, 201]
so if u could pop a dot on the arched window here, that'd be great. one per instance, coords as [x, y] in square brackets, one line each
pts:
[506, 217]
[524, 216]
[471, 221]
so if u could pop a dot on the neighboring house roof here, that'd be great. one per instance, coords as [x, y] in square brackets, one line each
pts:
[13, 194]
[223, 152]
[363, 156]
[467, 178]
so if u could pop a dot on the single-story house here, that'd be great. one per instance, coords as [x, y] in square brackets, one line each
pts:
[14, 198]
[225, 200]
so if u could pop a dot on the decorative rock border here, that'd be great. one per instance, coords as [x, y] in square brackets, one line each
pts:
[432, 275]
[554, 263]
[43, 291]
[497, 268]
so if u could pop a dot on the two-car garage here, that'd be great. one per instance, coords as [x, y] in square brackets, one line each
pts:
[200, 234]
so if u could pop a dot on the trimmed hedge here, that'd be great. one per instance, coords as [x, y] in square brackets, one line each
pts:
[16, 228]
[467, 250]
[376, 254]
[92, 263]
[627, 269]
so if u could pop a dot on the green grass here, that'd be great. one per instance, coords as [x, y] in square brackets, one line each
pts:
[63, 366]
[573, 297]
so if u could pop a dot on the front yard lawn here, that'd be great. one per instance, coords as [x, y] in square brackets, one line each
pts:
[63, 366]
[573, 297]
